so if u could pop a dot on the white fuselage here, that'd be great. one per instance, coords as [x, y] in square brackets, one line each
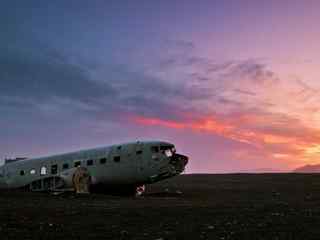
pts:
[135, 163]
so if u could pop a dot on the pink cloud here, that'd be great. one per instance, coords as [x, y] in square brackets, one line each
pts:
[291, 145]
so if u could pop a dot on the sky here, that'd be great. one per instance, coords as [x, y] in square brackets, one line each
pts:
[233, 84]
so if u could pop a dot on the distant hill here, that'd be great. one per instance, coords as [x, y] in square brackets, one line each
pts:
[308, 169]
[263, 170]
[268, 170]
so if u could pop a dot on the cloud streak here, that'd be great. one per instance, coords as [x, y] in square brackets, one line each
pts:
[287, 144]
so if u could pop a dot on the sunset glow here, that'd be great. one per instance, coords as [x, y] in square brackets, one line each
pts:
[233, 84]
[297, 150]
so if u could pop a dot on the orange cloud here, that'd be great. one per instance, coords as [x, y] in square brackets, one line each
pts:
[159, 122]
[204, 124]
[287, 145]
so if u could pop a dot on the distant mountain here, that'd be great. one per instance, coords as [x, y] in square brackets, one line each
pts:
[263, 170]
[267, 170]
[308, 169]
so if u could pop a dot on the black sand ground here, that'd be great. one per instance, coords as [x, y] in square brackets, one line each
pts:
[265, 206]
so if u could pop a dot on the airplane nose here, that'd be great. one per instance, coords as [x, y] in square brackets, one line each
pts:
[183, 159]
[179, 161]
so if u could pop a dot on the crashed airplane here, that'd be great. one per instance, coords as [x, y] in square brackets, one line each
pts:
[120, 169]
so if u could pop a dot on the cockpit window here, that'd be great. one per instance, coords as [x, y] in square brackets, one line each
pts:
[163, 148]
[155, 149]
[168, 150]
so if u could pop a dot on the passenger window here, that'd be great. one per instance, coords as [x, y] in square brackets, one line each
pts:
[22, 173]
[139, 152]
[54, 169]
[77, 164]
[89, 162]
[119, 147]
[103, 160]
[155, 149]
[43, 171]
[116, 159]
[32, 171]
[65, 166]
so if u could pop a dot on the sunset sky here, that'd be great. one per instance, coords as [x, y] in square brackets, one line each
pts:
[234, 84]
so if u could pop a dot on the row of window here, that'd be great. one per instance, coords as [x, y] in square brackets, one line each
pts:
[54, 168]
[90, 162]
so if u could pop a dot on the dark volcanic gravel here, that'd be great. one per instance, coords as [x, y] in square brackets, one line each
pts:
[231, 206]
